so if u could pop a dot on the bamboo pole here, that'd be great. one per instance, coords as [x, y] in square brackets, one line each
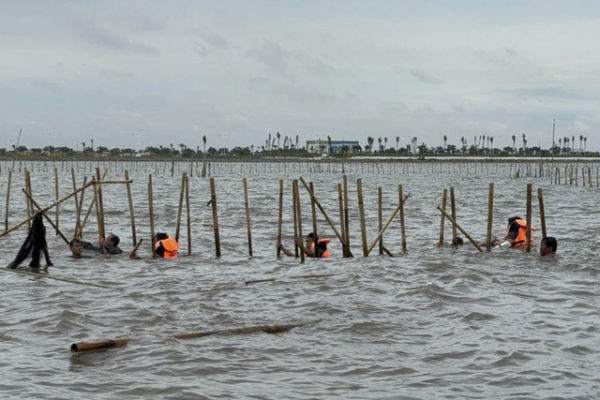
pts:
[248, 217]
[313, 211]
[312, 195]
[213, 201]
[542, 213]
[99, 345]
[380, 218]
[56, 197]
[98, 219]
[311, 276]
[77, 209]
[294, 200]
[300, 237]
[239, 331]
[444, 197]
[43, 210]
[130, 202]
[528, 230]
[488, 241]
[100, 204]
[453, 211]
[35, 204]
[453, 222]
[279, 218]
[28, 190]
[180, 208]
[341, 209]
[383, 228]
[151, 215]
[402, 225]
[361, 212]
[346, 219]
[56, 278]
[7, 200]
[188, 214]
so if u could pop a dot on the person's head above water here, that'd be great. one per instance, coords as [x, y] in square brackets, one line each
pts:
[548, 246]
[457, 241]
[513, 219]
[112, 240]
[76, 246]
[161, 236]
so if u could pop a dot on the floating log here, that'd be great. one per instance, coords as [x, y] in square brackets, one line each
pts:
[100, 345]
[289, 277]
[240, 331]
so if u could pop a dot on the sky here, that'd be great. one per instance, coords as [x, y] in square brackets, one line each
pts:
[150, 73]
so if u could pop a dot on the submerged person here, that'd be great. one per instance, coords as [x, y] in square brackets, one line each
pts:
[34, 244]
[316, 250]
[166, 246]
[548, 247]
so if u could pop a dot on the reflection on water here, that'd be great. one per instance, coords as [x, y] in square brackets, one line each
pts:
[432, 323]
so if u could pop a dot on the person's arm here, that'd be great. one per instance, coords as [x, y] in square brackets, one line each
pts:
[112, 249]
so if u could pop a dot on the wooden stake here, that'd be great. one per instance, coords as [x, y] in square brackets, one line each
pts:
[542, 214]
[449, 218]
[248, 217]
[100, 204]
[188, 214]
[131, 213]
[151, 214]
[444, 196]
[313, 211]
[528, 230]
[361, 212]
[402, 226]
[453, 211]
[280, 218]
[488, 241]
[294, 200]
[380, 217]
[7, 200]
[341, 209]
[56, 197]
[180, 208]
[346, 219]
[213, 200]
[28, 190]
[300, 237]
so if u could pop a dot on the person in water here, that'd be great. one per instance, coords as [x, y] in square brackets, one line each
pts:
[548, 247]
[516, 235]
[77, 246]
[166, 246]
[110, 245]
[316, 250]
[34, 244]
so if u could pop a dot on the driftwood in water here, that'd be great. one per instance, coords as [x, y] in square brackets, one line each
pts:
[99, 345]
[289, 277]
[239, 331]
[56, 278]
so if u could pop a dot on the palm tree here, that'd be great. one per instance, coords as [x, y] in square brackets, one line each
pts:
[514, 138]
[584, 142]
[370, 141]
[580, 140]
[524, 143]
[559, 142]
[92, 140]
[397, 142]
[379, 140]
[445, 140]
[328, 144]
[385, 139]
[573, 140]
[492, 144]
[82, 147]
[296, 141]
[278, 139]
[204, 141]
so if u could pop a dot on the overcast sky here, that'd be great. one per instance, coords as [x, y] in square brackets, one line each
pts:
[139, 73]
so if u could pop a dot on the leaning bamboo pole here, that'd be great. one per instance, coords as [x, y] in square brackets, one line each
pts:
[453, 222]
[35, 204]
[313, 213]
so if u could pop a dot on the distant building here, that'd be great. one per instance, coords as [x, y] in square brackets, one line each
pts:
[322, 146]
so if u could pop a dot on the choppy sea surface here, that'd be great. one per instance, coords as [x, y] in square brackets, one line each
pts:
[434, 323]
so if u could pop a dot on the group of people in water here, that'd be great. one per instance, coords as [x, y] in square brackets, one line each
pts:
[167, 247]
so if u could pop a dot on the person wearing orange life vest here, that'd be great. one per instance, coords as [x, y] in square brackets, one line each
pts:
[516, 235]
[166, 246]
[318, 250]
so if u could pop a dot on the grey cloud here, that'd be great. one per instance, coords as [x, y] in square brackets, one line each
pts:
[552, 92]
[270, 54]
[102, 36]
[424, 77]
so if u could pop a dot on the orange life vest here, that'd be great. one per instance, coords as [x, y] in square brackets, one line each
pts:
[326, 253]
[170, 245]
[521, 238]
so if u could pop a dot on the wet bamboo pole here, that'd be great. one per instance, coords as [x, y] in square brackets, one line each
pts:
[300, 237]
[361, 212]
[56, 197]
[180, 208]
[56, 278]
[130, 202]
[28, 191]
[43, 210]
[77, 208]
[341, 209]
[151, 215]
[380, 218]
[542, 213]
[444, 197]
[346, 219]
[213, 201]
[188, 215]
[248, 224]
[35, 204]
[331, 225]
[528, 230]
[6, 210]
[453, 211]
[295, 207]
[279, 218]
[387, 223]
[100, 204]
[98, 218]
[402, 225]
[488, 240]
[313, 211]
[453, 222]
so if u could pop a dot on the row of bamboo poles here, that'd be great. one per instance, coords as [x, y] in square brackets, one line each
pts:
[97, 203]
[557, 171]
